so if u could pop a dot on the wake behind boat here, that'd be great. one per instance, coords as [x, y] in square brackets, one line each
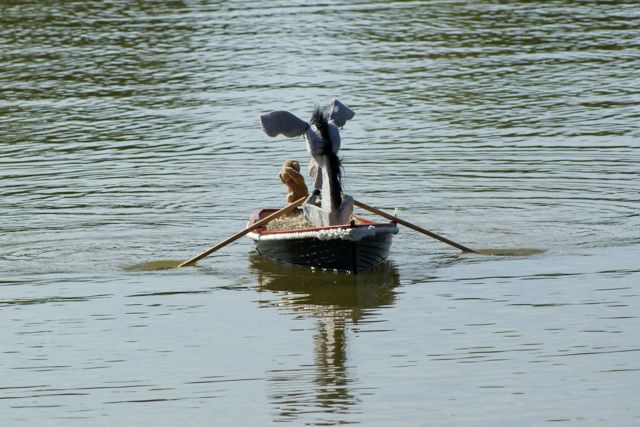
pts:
[351, 247]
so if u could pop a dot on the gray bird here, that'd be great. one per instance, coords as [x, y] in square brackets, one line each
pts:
[323, 143]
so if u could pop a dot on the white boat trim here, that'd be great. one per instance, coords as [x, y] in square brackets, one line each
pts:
[348, 233]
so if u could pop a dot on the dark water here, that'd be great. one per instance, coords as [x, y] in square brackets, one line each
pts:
[129, 135]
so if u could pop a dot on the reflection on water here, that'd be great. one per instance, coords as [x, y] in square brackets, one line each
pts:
[130, 133]
[304, 287]
[336, 301]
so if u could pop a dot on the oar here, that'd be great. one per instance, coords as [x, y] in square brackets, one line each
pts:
[413, 226]
[247, 230]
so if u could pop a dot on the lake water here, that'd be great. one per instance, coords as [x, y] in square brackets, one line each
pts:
[129, 134]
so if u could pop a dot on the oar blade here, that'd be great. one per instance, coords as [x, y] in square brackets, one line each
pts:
[290, 207]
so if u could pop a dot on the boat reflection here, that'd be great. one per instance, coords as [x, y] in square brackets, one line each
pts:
[336, 301]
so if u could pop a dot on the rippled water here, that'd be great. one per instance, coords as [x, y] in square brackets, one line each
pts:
[129, 135]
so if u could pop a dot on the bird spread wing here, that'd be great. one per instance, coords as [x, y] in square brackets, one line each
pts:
[340, 113]
[283, 122]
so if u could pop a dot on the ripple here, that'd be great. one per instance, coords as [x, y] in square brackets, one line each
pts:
[130, 133]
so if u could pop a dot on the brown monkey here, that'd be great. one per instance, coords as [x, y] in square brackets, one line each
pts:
[291, 177]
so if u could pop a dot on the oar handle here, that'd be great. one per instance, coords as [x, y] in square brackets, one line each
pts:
[247, 230]
[412, 226]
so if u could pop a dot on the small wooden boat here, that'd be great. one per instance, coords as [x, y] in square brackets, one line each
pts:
[350, 247]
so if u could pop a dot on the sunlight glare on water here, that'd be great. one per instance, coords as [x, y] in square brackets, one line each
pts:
[130, 139]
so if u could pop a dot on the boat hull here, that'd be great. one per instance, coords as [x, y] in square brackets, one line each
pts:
[349, 248]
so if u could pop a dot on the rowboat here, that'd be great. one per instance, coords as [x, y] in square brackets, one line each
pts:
[334, 238]
[351, 247]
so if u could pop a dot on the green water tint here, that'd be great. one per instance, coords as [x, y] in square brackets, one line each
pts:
[171, 264]
[304, 287]
[510, 252]
[154, 265]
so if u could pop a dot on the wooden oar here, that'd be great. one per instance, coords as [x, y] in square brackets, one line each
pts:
[247, 230]
[413, 226]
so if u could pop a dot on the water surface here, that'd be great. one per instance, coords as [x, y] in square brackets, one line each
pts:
[130, 136]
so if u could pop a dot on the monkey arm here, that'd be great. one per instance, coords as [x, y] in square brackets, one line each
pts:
[294, 175]
[284, 176]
